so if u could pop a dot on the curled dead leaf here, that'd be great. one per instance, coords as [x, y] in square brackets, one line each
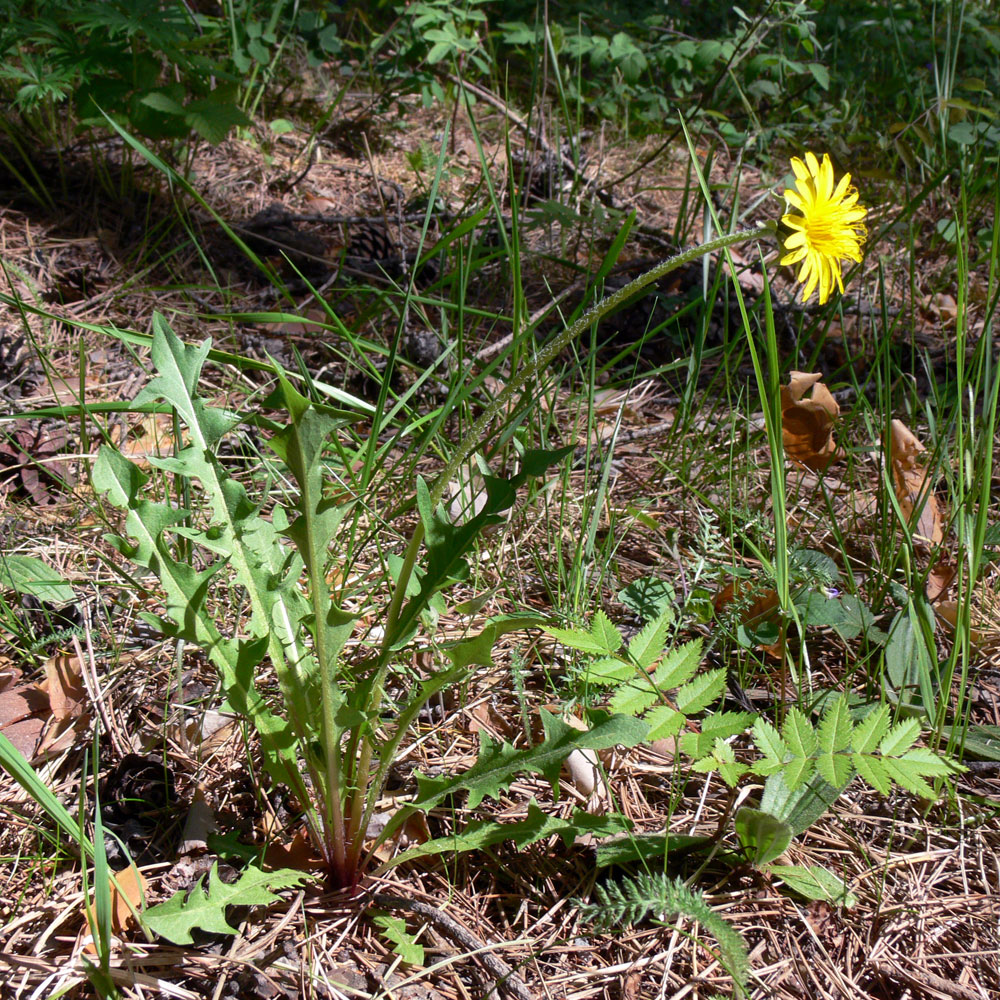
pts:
[912, 486]
[939, 579]
[758, 605]
[64, 686]
[807, 424]
[984, 630]
[128, 890]
[68, 702]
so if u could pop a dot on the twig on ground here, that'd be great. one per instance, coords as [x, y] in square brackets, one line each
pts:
[507, 979]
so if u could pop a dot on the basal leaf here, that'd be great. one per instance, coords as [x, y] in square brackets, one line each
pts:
[500, 763]
[762, 836]
[801, 806]
[538, 825]
[404, 944]
[815, 882]
[28, 575]
[206, 909]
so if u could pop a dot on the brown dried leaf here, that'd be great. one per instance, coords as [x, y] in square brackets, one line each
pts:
[413, 831]
[151, 435]
[22, 710]
[807, 424]
[199, 824]
[26, 450]
[913, 487]
[299, 854]
[128, 889]
[763, 603]
[939, 580]
[983, 633]
[67, 697]
[64, 686]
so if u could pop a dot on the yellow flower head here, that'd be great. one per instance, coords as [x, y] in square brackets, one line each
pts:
[829, 225]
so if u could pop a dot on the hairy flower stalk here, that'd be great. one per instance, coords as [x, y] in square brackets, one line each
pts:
[517, 382]
[828, 226]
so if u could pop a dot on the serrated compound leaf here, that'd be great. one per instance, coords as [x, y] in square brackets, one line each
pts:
[762, 836]
[870, 730]
[798, 771]
[679, 665]
[769, 742]
[664, 722]
[605, 633]
[499, 763]
[799, 735]
[213, 119]
[635, 695]
[702, 691]
[732, 771]
[766, 766]
[873, 772]
[932, 765]
[647, 644]
[206, 909]
[578, 639]
[835, 768]
[900, 738]
[481, 834]
[909, 774]
[722, 725]
[608, 670]
[835, 727]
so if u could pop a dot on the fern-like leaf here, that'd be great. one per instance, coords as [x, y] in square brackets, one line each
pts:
[656, 896]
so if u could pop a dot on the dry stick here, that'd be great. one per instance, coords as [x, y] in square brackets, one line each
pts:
[922, 979]
[507, 978]
[579, 285]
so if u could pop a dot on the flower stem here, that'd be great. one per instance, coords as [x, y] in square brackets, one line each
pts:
[542, 360]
